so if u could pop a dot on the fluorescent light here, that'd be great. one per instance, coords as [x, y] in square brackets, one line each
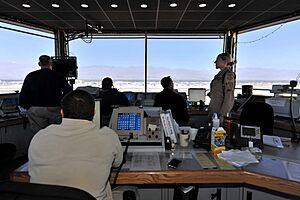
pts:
[83, 5]
[173, 5]
[144, 5]
[231, 5]
[55, 5]
[202, 5]
[114, 5]
[25, 5]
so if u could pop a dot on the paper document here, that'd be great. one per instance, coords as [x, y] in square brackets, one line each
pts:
[293, 170]
[142, 161]
[273, 141]
[238, 158]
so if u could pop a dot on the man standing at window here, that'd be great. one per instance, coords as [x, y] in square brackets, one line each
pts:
[41, 94]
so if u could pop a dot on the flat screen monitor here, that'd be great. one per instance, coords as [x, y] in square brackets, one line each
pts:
[126, 120]
[130, 96]
[129, 121]
[65, 66]
[197, 94]
[9, 105]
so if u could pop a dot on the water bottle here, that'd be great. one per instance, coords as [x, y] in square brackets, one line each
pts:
[215, 121]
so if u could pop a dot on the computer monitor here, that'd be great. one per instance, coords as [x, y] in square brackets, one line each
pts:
[131, 96]
[197, 94]
[94, 91]
[9, 105]
[126, 120]
[67, 67]
[143, 123]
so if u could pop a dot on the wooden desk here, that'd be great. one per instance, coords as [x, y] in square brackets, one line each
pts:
[268, 174]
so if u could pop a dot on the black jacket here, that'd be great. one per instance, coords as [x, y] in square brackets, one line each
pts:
[168, 99]
[112, 97]
[43, 88]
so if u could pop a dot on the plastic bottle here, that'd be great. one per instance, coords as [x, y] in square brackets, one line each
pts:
[215, 121]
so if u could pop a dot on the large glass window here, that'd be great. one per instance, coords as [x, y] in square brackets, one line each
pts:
[268, 56]
[121, 59]
[188, 60]
[19, 53]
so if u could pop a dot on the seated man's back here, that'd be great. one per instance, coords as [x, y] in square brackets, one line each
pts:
[110, 97]
[75, 153]
[168, 99]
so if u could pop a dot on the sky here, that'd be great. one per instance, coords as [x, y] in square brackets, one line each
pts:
[269, 53]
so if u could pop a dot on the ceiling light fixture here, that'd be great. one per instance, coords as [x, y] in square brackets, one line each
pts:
[232, 5]
[55, 5]
[25, 5]
[202, 5]
[83, 5]
[114, 5]
[173, 5]
[144, 5]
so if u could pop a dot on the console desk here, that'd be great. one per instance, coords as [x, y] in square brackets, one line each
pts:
[270, 174]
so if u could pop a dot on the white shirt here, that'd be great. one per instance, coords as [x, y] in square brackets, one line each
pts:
[75, 153]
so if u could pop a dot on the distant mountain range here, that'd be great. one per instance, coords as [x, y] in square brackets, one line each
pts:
[14, 71]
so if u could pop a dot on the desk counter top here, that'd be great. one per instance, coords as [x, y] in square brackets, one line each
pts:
[270, 173]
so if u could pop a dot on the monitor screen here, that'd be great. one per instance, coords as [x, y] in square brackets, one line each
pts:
[197, 94]
[249, 131]
[129, 121]
[9, 104]
[130, 96]
[65, 66]
[126, 120]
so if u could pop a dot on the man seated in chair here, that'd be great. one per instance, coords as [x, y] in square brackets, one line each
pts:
[110, 97]
[75, 153]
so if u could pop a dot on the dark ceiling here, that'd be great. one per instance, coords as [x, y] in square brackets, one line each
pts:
[158, 17]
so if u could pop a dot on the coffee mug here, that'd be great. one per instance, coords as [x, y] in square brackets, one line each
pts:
[184, 139]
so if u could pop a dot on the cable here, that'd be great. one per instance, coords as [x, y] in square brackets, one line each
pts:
[297, 79]
[263, 37]
[295, 135]
[88, 40]
[124, 158]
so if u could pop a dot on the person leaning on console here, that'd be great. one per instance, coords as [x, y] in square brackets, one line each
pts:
[41, 94]
[169, 99]
[110, 97]
[75, 153]
[222, 87]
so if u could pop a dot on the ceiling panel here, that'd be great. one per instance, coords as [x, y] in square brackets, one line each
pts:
[159, 17]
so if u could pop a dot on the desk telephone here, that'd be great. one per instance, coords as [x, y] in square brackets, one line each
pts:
[202, 139]
[241, 135]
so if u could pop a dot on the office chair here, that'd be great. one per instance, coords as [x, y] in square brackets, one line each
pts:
[7, 152]
[258, 114]
[32, 191]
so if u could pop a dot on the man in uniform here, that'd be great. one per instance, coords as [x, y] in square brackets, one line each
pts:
[222, 87]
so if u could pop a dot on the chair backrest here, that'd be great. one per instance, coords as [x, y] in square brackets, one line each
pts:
[7, 151]
[32, 191]
[258, 114]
